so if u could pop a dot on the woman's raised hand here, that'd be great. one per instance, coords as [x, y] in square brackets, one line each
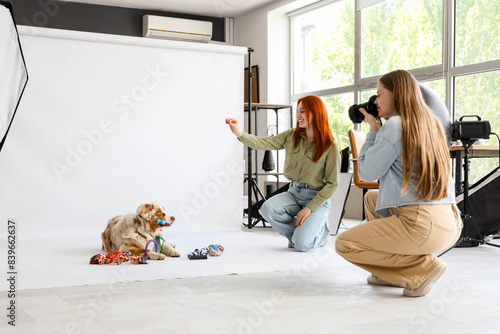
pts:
[233, 125]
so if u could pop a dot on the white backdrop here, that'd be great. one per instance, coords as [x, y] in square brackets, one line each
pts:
[110, 122]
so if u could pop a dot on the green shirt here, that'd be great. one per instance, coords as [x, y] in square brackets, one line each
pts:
[322, 175]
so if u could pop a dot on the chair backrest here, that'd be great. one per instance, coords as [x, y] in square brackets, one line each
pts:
[356, 140]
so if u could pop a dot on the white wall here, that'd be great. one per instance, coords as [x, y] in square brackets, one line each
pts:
[109, 122]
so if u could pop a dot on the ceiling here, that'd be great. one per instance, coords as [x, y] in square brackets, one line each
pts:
[218, 8]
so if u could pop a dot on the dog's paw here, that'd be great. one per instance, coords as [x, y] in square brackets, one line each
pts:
[172, 244]
[169, 250]
[157, 256]
[174, 253]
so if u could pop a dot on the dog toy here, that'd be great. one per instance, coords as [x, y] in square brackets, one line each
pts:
[147, 245]
[161, 222]
[215, 250]
[212, 250]
[227, 121]
[157, 242]
[199, 254]
[119, 257]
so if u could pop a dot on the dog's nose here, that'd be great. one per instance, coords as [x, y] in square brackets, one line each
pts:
[173, 219]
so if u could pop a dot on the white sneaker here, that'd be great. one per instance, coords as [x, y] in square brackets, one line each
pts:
[426, 286]
[372, 279]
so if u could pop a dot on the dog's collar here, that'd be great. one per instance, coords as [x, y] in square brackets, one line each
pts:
[137, 217]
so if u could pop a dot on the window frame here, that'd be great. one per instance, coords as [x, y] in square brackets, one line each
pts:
[447, 70]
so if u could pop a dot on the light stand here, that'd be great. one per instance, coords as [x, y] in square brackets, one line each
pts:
[253, 187]
[466, 217]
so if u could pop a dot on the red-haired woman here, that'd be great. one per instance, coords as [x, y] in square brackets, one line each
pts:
[312, 164]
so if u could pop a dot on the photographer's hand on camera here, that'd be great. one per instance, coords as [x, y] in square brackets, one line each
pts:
[374, 122]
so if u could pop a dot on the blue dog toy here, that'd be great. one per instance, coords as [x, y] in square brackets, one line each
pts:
[161, 222]
[198, 254]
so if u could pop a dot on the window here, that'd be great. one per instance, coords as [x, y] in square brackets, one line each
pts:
[340, 125]
[479, 94]
[323, 47]
[339, 48]
[401, 34]
[477, 27]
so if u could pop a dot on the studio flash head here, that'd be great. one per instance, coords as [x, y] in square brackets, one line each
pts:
[356, 116]
[470, 130]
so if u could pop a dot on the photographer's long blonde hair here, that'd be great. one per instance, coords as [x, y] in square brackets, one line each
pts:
[423, 139]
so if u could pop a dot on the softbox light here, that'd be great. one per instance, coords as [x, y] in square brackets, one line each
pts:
[13, 72]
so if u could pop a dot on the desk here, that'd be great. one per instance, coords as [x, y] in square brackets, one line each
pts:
[475, 151]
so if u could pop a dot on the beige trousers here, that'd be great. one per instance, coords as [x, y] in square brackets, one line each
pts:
[399, 248]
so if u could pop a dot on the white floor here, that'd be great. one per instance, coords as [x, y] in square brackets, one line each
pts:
[257, 285]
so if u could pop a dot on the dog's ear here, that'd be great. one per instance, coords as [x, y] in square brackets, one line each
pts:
[145, 211]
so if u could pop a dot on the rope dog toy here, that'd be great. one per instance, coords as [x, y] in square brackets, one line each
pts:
[198, 254]
[119, 257]
[215, 250]
[202, 254]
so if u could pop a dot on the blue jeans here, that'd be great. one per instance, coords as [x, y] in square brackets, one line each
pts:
[281, 211]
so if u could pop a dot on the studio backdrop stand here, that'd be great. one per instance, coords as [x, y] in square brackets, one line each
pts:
[253, 187]
[466, 216]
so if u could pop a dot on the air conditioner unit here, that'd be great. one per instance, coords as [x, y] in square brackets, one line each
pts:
[178, 29]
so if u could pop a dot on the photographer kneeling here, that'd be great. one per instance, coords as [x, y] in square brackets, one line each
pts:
[415, 213]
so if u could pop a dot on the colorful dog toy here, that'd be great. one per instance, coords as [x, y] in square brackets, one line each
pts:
[161, 222]
[147, 245]
[157, 242]
[215, 250]
[119, 257]
[199, 254]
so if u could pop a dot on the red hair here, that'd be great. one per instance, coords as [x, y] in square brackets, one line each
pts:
[323, 136]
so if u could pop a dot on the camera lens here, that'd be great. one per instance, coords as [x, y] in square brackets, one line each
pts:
[356, 116]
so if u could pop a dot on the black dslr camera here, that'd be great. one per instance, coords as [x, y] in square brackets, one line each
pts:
[470, 130]
[356, 116]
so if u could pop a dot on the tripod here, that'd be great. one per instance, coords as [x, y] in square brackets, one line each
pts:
[253, 187]
[254, 219]
[466, 217]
